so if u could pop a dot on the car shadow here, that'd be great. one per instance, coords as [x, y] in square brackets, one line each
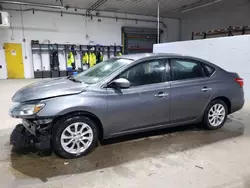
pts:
[118, 151]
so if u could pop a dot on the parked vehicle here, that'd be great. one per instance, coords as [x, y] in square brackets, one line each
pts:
[125, 95]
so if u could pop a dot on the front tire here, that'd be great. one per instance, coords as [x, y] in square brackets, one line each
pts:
[74, 137]
[215, 115]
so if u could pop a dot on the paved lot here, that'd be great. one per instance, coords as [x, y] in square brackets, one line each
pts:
[178, 157]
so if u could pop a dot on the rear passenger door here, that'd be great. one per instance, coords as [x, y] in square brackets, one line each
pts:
[190, 89]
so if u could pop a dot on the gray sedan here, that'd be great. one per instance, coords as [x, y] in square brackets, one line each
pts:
[125, 95]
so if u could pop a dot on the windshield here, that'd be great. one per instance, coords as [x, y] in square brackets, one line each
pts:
[101, 70]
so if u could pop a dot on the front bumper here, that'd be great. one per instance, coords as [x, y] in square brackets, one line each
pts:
[36, 133]
[38, 126]
[31, 127]
[27, 138]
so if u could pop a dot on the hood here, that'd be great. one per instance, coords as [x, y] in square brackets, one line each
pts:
[48, 88]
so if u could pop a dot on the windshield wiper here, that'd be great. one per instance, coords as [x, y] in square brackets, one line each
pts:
[73, 79]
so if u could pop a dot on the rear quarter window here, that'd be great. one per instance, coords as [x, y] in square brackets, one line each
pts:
[209, 70]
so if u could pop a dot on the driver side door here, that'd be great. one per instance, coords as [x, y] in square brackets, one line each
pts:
[145, 104]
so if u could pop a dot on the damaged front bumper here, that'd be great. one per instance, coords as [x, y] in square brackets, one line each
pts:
[37, 126]
[35, 131]
[36, 134]
[29, 127]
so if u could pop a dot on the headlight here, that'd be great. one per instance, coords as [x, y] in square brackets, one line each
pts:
[26, 109]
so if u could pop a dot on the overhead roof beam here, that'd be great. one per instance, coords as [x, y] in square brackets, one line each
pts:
[80, 14]
[192, 6]
[32, 4]
[96, 5]
[200, 5]
[61, 2]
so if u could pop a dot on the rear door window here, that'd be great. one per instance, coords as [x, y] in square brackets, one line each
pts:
[182, 69]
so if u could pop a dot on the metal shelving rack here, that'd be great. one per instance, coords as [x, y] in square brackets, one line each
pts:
[46, 48]
[61, 50]
[39, 49]
[109, 51]
[230, 31]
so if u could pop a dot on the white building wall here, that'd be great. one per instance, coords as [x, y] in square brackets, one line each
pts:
[217, 16]
[71, 29]
[172, 31]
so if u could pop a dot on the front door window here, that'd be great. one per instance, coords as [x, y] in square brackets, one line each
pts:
[151, 72]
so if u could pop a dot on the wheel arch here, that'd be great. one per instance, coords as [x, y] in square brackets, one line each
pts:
[87, 114]
[225, 100]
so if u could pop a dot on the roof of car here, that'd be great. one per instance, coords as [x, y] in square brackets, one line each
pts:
[135, 57]
[144, 55]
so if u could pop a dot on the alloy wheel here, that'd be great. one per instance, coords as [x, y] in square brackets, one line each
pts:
[76, 138]
[216, 115]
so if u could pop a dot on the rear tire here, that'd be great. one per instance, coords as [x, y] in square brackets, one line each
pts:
[215, 115]
[74, 137]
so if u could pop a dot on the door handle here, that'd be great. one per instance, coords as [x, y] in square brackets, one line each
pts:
[161, 94]
[205, 89]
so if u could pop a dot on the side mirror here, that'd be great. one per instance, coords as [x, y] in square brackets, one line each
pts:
[121, 83]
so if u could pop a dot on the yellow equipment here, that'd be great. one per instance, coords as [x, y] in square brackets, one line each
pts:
[70, 60]
[85, 58]
[101, 57]
[92, 59]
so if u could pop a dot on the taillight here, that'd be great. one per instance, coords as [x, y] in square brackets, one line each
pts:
[240, 81]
